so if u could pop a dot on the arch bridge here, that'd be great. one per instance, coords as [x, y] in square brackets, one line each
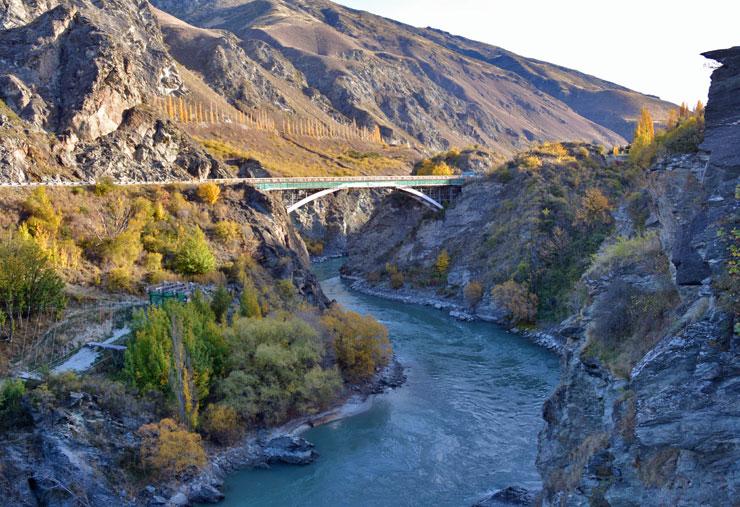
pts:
[432, 191]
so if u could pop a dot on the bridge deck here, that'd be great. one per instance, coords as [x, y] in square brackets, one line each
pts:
[316, 183]
[267, 184]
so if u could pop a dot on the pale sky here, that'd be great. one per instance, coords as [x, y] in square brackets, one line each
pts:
[651, 46]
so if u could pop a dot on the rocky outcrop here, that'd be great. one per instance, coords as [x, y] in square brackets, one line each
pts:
[334, 220]
[513, 495]
[146, 148]
[280, 248]
[15, 13]
[665, 432]
[79, 66]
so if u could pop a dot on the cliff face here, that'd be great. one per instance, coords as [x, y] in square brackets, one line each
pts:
[663, 432]
[331, 222]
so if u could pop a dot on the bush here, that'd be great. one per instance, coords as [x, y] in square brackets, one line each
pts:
[520, 304]
[442, 264]
[249, 305]
[271, 362]
[194, 256]
[314, 247]
[473, 293]
[177, 349]
[628, 321]
[645, 249]
[360, 343]
[227, 231]
[221, 424]
[12, 413]
[594, 207]
[431, 168]
[397, 280]
[531, 161]
[169, 450]
[221, 302]
[44, 219]
[209, 193]
[104, 186]
[28, 283]
[153, 262]
[121, 279]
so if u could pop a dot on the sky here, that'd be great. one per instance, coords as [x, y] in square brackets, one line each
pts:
[651, 46]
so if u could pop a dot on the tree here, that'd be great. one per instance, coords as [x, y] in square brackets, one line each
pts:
[28, 283]
[209, 193]
[360, 342]
[643, 139]
[177, 349]
[594, 207]
[221, 302]
[249, 305]
[170, 450]
[194, 256]
[517, 300]
[473, 293]
[645, 129]
[431, 168]
[442, 264]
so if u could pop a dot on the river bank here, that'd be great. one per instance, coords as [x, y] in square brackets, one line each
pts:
[268, 447]
[550, 339]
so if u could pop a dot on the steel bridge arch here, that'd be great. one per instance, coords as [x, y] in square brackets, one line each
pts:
[419, 196]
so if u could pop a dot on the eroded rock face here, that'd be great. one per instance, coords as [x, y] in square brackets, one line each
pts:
[334, 219]
[80, 65]
[146, 148]
[15, 13]
[666, 433]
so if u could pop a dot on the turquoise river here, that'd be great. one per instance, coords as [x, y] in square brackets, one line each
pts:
[464, 423]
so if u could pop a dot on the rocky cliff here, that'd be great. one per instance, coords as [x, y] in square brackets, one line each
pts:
[665, 431]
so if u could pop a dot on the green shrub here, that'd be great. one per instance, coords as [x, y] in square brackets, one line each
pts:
[360, 342]
[270, 363]
[249, 305]
[28, 283]
[194, 256]
[12, 412]
[221, 302]
[177, 349]
[397, 280]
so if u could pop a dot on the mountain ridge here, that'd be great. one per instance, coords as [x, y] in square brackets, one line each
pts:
[423, 84]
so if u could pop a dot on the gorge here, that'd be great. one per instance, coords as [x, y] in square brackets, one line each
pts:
[567, 327]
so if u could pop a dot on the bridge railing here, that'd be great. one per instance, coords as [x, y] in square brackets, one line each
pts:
[420, 180]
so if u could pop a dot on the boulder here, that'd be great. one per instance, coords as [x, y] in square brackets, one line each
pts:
[290, 450]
